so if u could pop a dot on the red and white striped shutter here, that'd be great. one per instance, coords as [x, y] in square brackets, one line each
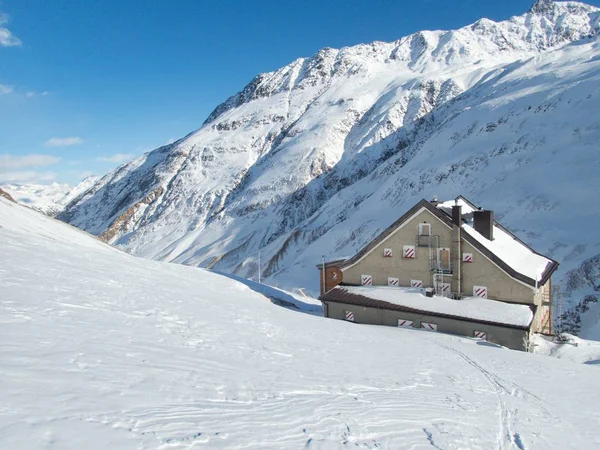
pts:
[349, 316]
[409, 252]
[429, 326]
[366, 280]
[387, 252]
[405, 323]
[444, 288]
[416, 283]
[393, 281]
[480, 335]
[480, 291]
[467, 257]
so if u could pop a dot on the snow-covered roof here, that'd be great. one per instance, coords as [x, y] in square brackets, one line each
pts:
[473, 308]
[507, 247]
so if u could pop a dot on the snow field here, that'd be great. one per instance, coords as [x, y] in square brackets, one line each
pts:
[104, 350]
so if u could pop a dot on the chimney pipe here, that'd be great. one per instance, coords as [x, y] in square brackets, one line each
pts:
[483, 222]
[457, 215]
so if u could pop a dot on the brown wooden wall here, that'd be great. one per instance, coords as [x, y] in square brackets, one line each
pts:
[333, 277]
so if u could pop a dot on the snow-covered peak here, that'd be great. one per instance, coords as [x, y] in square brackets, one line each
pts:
[546, 25]
[48, 198]
[542, 6]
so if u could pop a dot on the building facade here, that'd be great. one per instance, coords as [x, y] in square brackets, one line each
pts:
[452, 249]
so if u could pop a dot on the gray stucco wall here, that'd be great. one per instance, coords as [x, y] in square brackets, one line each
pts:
[481, 272]
[381, 268]
[508, 337]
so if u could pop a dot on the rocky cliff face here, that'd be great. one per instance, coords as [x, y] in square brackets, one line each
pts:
[319, 156]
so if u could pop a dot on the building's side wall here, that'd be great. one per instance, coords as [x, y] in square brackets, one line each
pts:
[508, 337]
[543, 317]
[480, 272]
[483, 272]
[380, 267]
[333, 277]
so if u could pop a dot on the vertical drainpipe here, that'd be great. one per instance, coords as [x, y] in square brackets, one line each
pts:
[456, 237]
[324, 278]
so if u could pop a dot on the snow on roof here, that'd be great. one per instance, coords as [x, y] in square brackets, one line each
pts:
[505, 246]
[474, 308]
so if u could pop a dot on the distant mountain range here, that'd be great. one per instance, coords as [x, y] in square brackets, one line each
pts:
[48, 198]
[318, 157]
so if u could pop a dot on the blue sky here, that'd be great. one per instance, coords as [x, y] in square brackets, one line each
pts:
[86, 85]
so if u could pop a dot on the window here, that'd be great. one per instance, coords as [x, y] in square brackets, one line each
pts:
[393, 281]
[429, 326]
[408, 252]
[416, 283]
[403, 323]
[424, 229]
[443, 259]
[480, 335]
[480, 291]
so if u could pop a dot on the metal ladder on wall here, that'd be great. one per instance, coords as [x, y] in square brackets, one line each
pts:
[436, 272]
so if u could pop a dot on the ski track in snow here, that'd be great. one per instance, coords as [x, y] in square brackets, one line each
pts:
[104, 350]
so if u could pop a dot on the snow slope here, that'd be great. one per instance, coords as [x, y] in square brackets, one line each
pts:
[104, 350]
[321, 155]
[48, 198]
[568, 347]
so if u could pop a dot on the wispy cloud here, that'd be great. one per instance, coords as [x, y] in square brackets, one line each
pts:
[26, 176]
[4, 89]
[32, 94]
[10, 162]
[63, 142]
[14, 169]
[117, 158]
[7, 39]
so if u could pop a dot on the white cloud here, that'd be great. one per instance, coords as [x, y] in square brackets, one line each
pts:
[7, 39]
[63, 142]
[26, 176]
[32, 94]
[9, 162]
[4, 89]
[117, 158]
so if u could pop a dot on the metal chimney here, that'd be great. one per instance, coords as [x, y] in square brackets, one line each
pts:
[457, 215]
[483, 222]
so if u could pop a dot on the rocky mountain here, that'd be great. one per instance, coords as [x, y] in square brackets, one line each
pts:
[319, 156]
[48, 198]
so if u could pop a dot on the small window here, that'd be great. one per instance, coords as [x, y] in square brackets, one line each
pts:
[416, 283]
[393, 281]
[480, 335]
[480, 291]
[424, 229]
[403, 323]
[429, 326]
[387, 252]
[408, 252]
[366, 280]
[349, 315]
